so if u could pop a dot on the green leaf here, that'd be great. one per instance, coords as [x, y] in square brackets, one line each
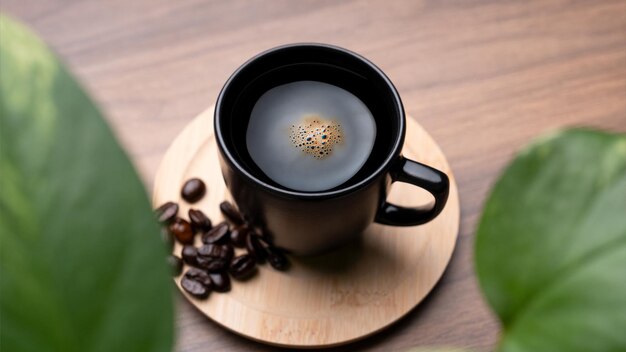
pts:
[551, 245]
[82, 267]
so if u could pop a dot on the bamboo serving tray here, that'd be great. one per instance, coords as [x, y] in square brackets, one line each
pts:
[326, 300]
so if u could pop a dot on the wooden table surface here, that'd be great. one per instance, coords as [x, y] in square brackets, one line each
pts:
[483, 77]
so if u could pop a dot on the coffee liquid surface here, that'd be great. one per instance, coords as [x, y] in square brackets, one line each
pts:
[310, 136]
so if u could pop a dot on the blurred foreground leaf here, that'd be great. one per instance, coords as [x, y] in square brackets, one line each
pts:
[551, 245]
[82, 267]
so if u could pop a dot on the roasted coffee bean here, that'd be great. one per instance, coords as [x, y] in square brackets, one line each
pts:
[221, 281]
[167, 238]
[218, 234]
[256, 247]
[231, 213]
[276, 258]
[193, 190]
[194, 288]
[176, 265]
[166, 212]
[189, 254]
[199, 275]
[199, 221]
[242, 267]
[203, 262]
[238, 235]
[215, 257]
[181, 229]
[213, 265]
[216, 251]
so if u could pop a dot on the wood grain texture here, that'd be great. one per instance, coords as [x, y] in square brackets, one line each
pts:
[481, 76]
[331, 299]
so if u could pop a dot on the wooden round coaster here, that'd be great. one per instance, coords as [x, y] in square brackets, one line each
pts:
[326, 300]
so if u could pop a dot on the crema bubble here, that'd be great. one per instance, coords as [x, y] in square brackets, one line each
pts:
[316, 136]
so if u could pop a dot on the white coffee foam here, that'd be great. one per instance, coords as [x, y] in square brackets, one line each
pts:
[293, 105]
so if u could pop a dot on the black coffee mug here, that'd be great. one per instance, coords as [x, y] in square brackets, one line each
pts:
[313, 222]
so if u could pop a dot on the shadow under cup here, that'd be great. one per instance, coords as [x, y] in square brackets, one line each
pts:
[313, 222]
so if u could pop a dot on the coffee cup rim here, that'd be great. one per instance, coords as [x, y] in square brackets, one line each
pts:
[394, 152]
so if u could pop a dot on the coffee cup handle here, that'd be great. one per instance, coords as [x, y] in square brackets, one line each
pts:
[426, 177]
